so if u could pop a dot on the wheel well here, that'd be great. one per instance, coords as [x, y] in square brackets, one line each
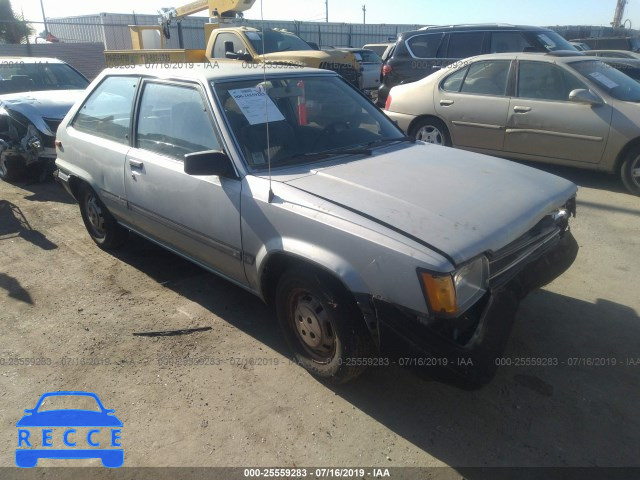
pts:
[278, 263]
[417, 120]
[633, 144]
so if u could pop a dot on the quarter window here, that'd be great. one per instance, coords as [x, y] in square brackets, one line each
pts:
[424, 46]
[107, 111]
[173, 121]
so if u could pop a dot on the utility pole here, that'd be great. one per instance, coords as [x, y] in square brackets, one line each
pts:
[326, 10]
[364, 14]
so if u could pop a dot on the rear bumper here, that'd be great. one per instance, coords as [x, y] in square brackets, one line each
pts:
[63, 179]
[403, 120]
[412, 341]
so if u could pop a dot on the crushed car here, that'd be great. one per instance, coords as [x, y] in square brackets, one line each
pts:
[35, 95]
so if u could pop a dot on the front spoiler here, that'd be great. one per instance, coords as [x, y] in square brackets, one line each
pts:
[412, 342]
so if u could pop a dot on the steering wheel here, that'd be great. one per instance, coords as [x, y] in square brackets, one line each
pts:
[335, 128]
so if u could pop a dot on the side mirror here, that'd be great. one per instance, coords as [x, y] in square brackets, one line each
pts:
[209, 162]
[581, 95]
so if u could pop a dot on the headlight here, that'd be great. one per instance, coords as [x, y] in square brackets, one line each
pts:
[453, 293]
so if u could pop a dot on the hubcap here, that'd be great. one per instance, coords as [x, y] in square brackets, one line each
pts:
[313, 326]
[94, 213]
[430, 134]
[635, 171]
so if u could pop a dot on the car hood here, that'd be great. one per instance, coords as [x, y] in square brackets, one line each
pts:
[459, 202]
[69, 418]
[48, 104]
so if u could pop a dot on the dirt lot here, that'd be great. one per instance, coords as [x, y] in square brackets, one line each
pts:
[83, 310]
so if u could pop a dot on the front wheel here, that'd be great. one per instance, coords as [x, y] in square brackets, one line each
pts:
[630, 171]
[322, 325]
[102, 227]
[431, 130]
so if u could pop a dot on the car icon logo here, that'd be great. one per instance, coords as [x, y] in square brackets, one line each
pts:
[83, 433]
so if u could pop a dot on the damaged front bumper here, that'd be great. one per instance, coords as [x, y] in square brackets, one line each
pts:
[417, 341]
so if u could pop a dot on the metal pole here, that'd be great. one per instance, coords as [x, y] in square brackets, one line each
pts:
[326, 9]
[364, 14]
[44, 18]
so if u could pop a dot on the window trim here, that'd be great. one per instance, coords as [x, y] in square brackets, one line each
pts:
[73, 121]
[194, 85]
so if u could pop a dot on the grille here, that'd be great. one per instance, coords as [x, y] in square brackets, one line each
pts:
[504, 262]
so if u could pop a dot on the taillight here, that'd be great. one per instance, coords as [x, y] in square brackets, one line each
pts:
[387, 104]
[386, 70]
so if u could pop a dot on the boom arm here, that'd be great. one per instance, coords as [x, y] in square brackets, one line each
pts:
[216, 8]
[617, 17]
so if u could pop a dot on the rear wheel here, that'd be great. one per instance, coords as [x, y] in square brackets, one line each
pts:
[431, 130]
[102, 227]
[322, 325]
[630, 171]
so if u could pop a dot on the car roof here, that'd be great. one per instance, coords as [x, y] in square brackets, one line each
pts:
[476, 26]
[561, 56]
[215, 71]
[9, 60]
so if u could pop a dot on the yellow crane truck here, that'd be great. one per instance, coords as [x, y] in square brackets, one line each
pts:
[254, 47]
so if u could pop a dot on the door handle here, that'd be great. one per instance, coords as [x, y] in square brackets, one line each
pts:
[136, 163]
[446, 103]
[518, 109]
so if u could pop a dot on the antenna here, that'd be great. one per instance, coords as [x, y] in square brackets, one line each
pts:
[266, 105]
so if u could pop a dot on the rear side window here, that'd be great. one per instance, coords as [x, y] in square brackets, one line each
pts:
[484, 78]
[508, 42]
[107, 111]
[173, 121]
[424, 46]
[463, 45]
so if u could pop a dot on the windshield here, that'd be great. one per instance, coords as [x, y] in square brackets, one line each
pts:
[18, 77]
[275, 41]
[549, 41]
[308, 118]
[612, 81]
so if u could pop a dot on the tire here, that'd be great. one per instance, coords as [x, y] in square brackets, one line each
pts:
[11, 168]
[431, 130]
[322, 325]
[630, 171]
[102, 227]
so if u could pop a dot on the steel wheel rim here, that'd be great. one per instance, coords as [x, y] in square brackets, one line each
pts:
[3, 166]
[635, 171]
[312, 325]
[95, 215]
[430, 134]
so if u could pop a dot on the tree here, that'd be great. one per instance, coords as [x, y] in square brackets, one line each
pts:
[12, 28]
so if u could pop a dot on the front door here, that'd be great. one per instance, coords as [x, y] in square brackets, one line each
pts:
[197, 216]
[543, 123]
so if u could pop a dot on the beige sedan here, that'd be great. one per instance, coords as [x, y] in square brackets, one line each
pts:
[546, 107]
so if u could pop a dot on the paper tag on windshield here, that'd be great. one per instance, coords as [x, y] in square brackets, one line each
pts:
[603, 79]
[256, 105]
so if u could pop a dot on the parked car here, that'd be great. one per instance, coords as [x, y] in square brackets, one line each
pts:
[419, 53]
[370, 62]
[614, 54]
[298, 189]
[379, 48]
[566, 110]
[611, 43]
[35, 95]
[581, 47]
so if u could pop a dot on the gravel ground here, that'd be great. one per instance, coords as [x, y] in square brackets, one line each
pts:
[221, 390]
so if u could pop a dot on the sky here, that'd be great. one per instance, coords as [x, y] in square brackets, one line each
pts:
[423, 12]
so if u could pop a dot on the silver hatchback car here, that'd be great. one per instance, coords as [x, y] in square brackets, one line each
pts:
[292, 185]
